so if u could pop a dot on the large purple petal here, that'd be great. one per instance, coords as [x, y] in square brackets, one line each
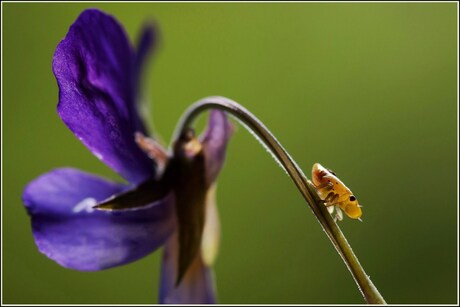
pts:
[196, 287]
[146, 42]
[69, 231]
[214, 142]
[94, 66]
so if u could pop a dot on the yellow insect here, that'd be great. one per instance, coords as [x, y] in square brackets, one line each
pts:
[335, 193]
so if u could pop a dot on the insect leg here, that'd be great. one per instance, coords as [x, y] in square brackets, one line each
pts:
[326, 185]
[339, 214]
[328, 199]
[325, 188]
[331, 199]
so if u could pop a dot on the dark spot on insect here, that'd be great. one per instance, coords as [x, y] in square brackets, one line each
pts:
[336, 182]
[352, 198]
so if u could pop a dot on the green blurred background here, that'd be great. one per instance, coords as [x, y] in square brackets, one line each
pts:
[368, 90]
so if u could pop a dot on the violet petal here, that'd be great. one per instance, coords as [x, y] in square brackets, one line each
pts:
[196, 287]
[146, 42]
[214, 142]
[94, 67]
[69, 231]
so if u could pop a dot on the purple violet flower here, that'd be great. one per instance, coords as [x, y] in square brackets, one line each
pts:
[98, 72]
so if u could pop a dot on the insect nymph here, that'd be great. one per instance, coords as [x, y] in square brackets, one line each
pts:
[334, 193]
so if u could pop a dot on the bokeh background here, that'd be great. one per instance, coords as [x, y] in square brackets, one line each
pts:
[368, 90]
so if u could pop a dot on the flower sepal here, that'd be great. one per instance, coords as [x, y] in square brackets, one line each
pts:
[141, 196]
[190, 187]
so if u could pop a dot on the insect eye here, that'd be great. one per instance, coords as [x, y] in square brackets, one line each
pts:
[352, 198]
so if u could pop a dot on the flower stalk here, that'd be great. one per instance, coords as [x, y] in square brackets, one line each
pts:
[306, 188]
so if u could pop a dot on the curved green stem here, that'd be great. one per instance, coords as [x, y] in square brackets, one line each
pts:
[306, 188]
